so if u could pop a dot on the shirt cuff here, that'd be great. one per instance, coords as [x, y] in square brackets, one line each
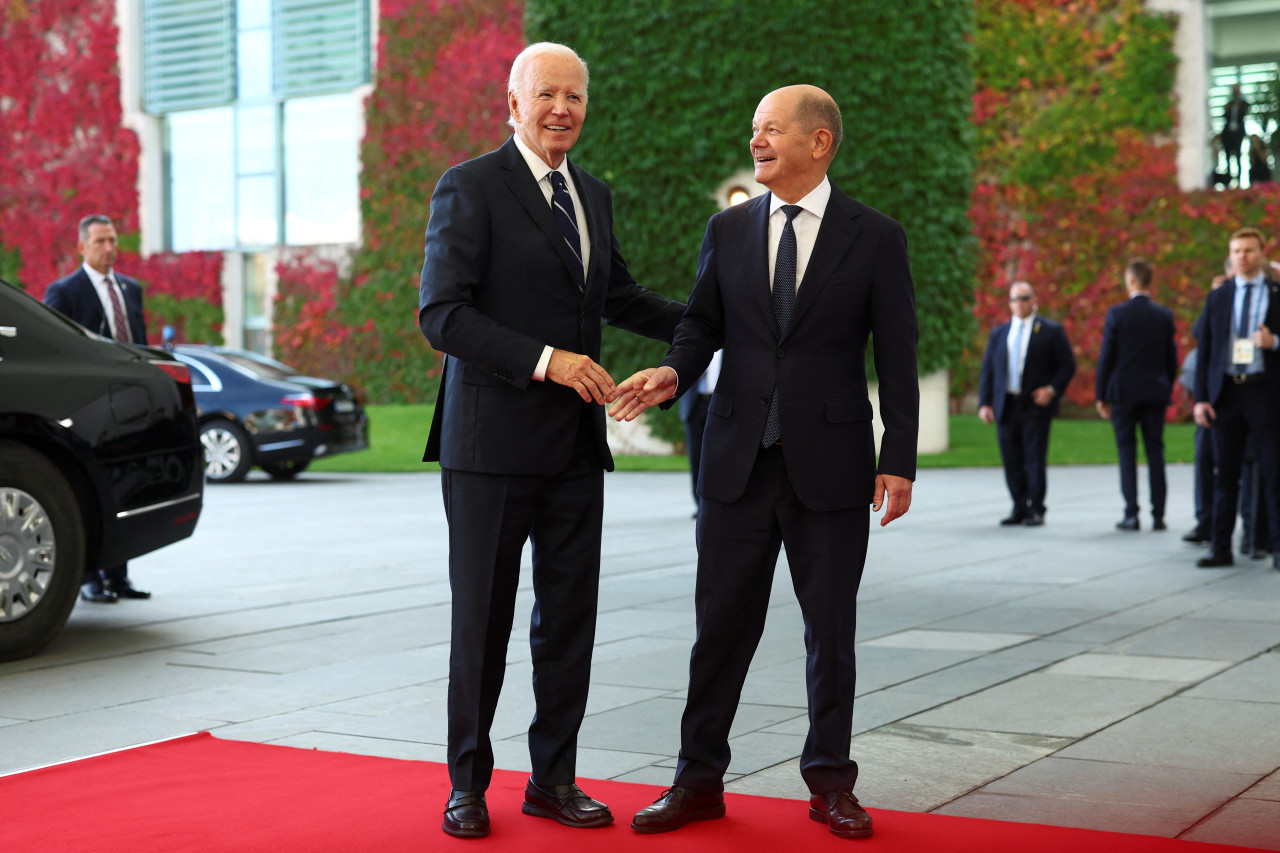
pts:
[540, 372]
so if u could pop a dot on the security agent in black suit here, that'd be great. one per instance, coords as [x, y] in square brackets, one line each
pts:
[103, 301]
[521, 268]
[791, 286]
[1238, 387]
[1233, 131]
[1026, 368]
[1137, 365]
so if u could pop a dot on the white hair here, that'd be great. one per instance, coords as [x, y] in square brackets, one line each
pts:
[516, 81]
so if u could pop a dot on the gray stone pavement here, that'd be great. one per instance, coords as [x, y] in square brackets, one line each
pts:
[1069, 675]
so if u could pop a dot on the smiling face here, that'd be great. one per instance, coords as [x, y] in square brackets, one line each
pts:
[550, 106]
[788, 160]
[99, 248]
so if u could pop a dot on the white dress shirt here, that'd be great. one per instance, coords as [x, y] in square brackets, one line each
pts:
[108, 310]
[542, 174]
[806, 225]
[1014, 385]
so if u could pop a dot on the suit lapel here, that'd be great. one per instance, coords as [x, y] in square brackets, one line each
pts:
[527, 192]
[836, 234]
[601, 240]
[758, 246]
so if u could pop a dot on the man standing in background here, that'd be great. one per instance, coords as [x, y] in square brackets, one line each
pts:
[1026, 368]
[103, 301]
[1137, 366]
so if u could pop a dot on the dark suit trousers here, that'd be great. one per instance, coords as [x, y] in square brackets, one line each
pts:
[1126, 418]
[1204, 476]
[1023, 433]
[1243, 411]
[738, 546]
[490, 517]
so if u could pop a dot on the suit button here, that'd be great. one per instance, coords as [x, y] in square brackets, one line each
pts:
[764, 401]
[782, 353]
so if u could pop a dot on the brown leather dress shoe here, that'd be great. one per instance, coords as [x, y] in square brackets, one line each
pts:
[565, 804]
[841, 812]
[676, 807]
[466, 815]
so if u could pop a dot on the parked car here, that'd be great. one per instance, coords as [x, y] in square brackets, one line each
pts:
[256, 411]
[100, 462]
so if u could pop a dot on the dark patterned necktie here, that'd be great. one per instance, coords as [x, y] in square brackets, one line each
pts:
[117, 309]
[784, 302]
[1245, 331]
[567, 217]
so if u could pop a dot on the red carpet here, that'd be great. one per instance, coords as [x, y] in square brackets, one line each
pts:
[199, 793]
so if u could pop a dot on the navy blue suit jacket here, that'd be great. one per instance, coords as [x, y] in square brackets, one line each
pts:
[1138, 362]
[1049, 362]
[1213, 358]
[496, 287]
[76, 297]
[857, 284]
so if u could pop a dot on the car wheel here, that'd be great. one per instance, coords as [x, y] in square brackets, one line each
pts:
[42, 551]
[285, 470]
[227, 455]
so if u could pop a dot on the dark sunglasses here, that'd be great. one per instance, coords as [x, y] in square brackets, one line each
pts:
[1020, 298]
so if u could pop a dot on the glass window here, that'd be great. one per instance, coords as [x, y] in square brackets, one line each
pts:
[256, 223]
[321, 169]
[201, 194]
[253, 64]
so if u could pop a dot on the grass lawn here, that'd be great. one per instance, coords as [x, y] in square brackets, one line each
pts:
[398, 433]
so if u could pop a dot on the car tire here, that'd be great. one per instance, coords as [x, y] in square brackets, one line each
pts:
[228, 456]
[285, 470]
[42, 551]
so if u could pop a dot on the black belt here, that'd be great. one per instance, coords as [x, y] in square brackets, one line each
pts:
[1246, 378]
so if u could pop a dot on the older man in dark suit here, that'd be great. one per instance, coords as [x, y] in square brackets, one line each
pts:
[104, 301]
[790, 285]
[521, 268]
[1137, 365]
[1238, 388]
[1025, 370]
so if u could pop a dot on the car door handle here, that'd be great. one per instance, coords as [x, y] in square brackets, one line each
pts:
[8, 331]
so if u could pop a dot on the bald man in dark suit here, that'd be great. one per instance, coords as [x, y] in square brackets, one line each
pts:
[791, 285]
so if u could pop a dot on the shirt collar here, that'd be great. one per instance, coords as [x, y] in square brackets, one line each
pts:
[1257, 279]
[537, 165]
[815, 202]
[96, 278]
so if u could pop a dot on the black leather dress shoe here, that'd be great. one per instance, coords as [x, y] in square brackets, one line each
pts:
[1129, 523]
[1012, 521]
[565, 804]
[1216, 560]
[1197, 536]
[840, 811]
[1033, 520]
[124, 589]
[1158, 524]
[93, 590]
[466, 815]
[676, 807]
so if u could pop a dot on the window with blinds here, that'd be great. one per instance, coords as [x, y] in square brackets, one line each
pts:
[188, 54]
[189, 50]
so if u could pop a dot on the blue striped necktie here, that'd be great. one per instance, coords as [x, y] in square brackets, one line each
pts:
[562, 206]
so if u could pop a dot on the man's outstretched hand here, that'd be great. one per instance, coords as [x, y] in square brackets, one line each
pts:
[644, 389]
[590, 380]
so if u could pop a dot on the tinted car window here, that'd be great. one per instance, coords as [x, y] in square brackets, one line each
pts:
[259, 365]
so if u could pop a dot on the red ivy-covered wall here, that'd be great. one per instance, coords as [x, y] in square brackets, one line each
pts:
[67, 155]
[1076, 174]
